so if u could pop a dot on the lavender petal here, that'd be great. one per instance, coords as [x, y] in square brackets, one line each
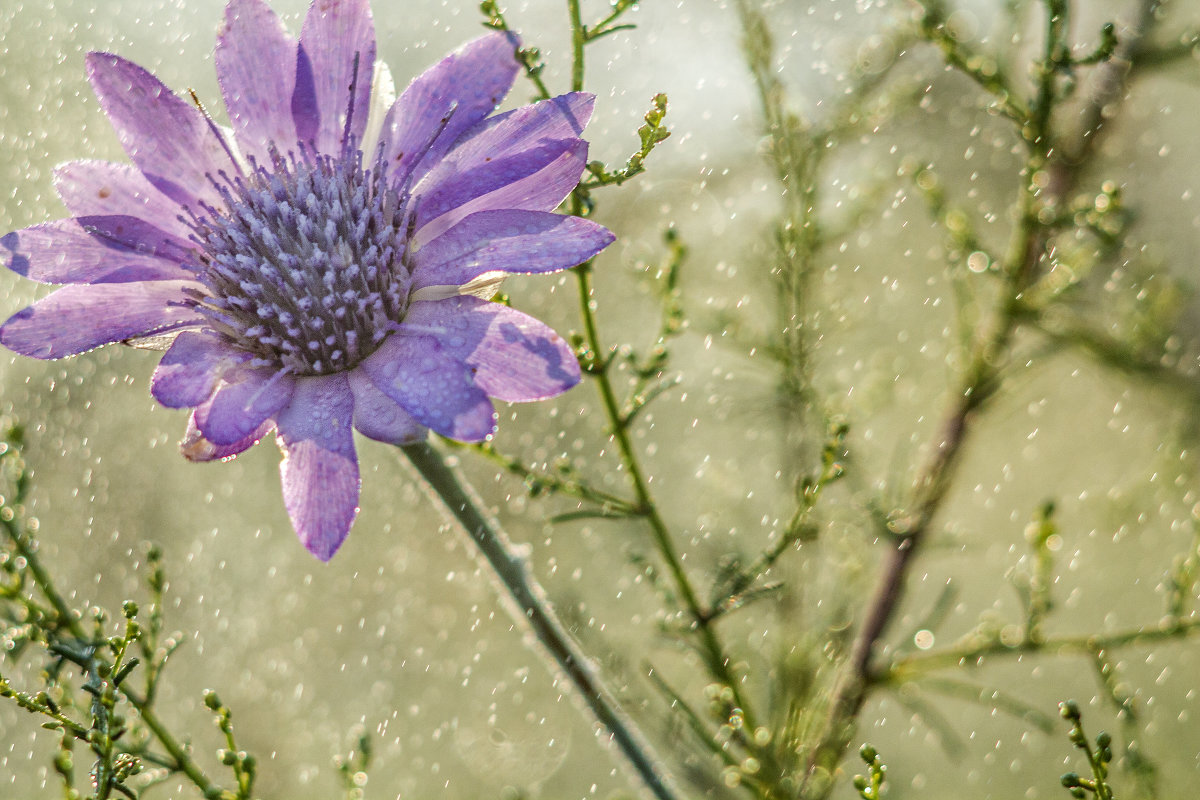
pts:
[195, 447]
[432, 386]
[168, 139]
[319, 471]
[95, 250]
[256, 69]
[243, 400]
[536, 180]
[379, 417]
[513, 356]
[189, 371]
[81, 317]
[336, 38]
[446, 100]
[562, 117]
[512, 241]
[102, 188]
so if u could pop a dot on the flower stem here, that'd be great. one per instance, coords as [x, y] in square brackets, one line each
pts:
[532, 607]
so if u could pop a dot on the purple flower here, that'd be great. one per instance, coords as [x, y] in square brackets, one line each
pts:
[327, 262]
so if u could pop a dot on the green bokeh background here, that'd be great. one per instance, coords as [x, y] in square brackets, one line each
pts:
[402, 634]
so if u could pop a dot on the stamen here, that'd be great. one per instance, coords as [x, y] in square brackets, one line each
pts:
[262, 389]
[216, 131]
[306, 246]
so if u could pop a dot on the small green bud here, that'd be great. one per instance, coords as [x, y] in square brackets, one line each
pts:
[125, 669]
[861, 782]
[228, 757]
[1069, 710]
[130, 609]
[1104, 739]
[211, 701]
[868, 753]
[1070, 779]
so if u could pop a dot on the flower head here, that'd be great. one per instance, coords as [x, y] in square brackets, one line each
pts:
[325, 264]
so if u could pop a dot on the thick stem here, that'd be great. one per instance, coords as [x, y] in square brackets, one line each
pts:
[533, 608]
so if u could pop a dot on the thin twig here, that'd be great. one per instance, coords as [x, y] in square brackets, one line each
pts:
[981, 378]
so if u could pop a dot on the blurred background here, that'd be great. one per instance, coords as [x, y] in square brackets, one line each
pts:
[404, 636]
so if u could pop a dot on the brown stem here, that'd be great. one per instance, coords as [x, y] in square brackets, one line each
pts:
[1064, 165]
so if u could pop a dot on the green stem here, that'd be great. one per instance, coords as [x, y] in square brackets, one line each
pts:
[42, 579]
[183, 761]
[718, 662]
[532, 606]
[578, 40]
[913, 666]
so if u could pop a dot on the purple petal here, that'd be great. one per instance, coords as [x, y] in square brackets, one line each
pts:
[562, 117]
[436, 389]
[507, 241]
[320, 469]
[243, 401]
[169, 140]
[447, 99]
[536, 179]
[256, 67]
[376, 415]
[189, 371]
[513, 356]
[102, 188]
[337, 51]
[77, 318]
[91, 250]
[196, 448]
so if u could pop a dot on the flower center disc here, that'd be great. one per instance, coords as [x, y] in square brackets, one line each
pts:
[305, 265]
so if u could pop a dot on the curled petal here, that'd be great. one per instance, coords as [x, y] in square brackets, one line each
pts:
[243, 401]
[196, 448]
[379, 417]
[189, 371]
[513, 356]
[432, 386]
[319, 469]
[256, 68]
[78, 318]
[511, 241]
[446, 100]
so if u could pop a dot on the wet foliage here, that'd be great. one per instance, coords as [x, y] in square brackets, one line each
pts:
[901, 449]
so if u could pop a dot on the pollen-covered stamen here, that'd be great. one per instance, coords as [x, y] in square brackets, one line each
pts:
[305, 264]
